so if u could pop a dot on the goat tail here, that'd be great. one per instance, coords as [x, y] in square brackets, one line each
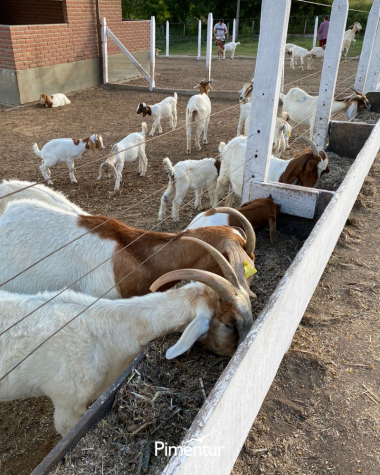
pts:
[36, 150]
[168, 167]
[221, 147]
[144, 128]
[175, 97]
[190, 116]
[282, 96]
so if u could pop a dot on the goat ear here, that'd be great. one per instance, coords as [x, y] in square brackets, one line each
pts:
[293, 169]
[198, 327]
[148, 110]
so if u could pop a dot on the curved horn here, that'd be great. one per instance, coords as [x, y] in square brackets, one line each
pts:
[251, 237]
[314, 148]
[218, 284]
[222, 262]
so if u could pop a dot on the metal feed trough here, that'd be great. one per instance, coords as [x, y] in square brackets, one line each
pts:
[234, 402]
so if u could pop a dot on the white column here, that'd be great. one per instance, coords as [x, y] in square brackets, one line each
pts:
[167, 39]
[331, 61]
[368, 45]
[152, 51]
[105, 52]
[315, 32]
[234, 31]
[266, 90]
[199, 38]
[209, 46]
[373, 75]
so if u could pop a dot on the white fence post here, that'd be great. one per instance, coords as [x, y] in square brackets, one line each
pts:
[373, 75]
[234, 31]
[105, 52]
[209, 46]
[152, 51]
[368, 45]
[315, 32]
[167, 39]
[199, 38]
[331, 60]
[266, 90]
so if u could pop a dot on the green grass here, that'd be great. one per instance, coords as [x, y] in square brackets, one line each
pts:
[248, 46]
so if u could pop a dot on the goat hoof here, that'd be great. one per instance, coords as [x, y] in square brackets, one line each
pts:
[188, 152]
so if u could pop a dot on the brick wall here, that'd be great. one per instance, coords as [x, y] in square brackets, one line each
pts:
[46, 45]
[6, 48]
[31, 12]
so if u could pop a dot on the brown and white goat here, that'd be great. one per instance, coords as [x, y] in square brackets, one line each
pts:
[198, 110]
[54, 100]
[258, 212]
[110, 256]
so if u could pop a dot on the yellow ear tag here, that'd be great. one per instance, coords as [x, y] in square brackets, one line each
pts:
[288, 133]
[248, 269]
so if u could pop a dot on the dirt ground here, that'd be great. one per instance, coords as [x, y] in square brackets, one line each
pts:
[26, 433]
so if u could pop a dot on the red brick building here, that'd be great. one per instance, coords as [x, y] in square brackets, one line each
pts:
[53, 46]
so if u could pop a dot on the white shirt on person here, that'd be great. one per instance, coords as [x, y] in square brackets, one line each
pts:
[220, 29]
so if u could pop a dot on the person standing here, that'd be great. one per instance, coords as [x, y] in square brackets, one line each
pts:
[323, 31]
[220, 30]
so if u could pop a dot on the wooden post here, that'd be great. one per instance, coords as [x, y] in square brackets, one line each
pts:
[373, 74]
[152, 51]
[199, 38]
[209, 46]
[331, 60]
[184, 30]
[368, 45]
[266, 90]
[105, 54]
[304, 30]
[315, 32]
[234, 31]
[253, 26]
[167, 39]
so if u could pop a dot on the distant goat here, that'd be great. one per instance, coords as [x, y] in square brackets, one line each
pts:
[349, 36]
[56, 100]
[303, 55]
[198, 110]
[166, 109]
[127, 150]
[231, 47]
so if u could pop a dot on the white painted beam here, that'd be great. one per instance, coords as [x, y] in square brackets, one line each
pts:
[234, 31]
[266, 90]
[315, 31]
[373, 75]
[232, 406]
[199, 39]
[331, 60]
[167, 39]
[210, 29]
[105, 51]
[368, 43]
[152, 51]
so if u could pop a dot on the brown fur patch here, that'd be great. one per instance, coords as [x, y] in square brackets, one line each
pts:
[258, 212]
[217, 165]
[76, 141]
[303, 166]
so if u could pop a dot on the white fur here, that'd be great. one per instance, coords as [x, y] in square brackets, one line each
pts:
[58, 99]
[135, 143]
[63, 150]
[188, 175]
[297, 52]
[318, 52]
[217, 219]
[166, 109]
[349, 37]
[198, 108]
[231, 47]
[36, 192]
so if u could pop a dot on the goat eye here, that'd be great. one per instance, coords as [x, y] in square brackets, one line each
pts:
[231, 327]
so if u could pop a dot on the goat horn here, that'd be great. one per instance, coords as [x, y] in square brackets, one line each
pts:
[218, 284]
[251, 237]
[314, 148]
[222, 262]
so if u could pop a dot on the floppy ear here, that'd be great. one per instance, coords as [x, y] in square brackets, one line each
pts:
[198, 327]
[197, 87]
[293, 169]
[139, 108]
[148, 110]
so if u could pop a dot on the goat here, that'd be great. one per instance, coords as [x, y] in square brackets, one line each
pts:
[282, 129]
[349, 36]
[305, 168]
[36, 192]
[198, 109]
[246, 91]
[288, 52]
[156, 51]
[127, 150]
[302, 107]
[318, 51]
[121, 249]
[231, 47]
[258, 212]
[166, 109]
[65, 150]
[189, 175]
[79, 364]
[56, 100]
[297, 52]
[219, 43]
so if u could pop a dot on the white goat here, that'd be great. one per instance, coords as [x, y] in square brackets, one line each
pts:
[65, 150]
[231, 47]
[349, 36]
[305, 168]
[80, 363]
[198, 110]
[127, 150]
[189, 175]
[36, 192]
[302, 107]
[303, 55]
[56, 100]
[166, 109]
[288, 51]
[318, 51]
